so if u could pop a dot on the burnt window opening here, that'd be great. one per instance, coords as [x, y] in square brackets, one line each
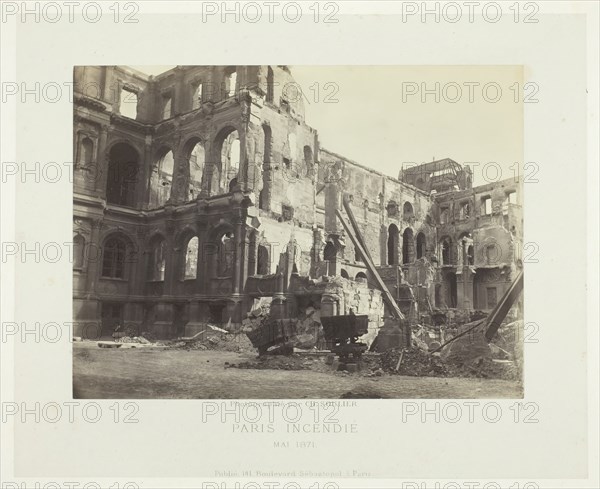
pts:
[78, 252]
[270, 85]
[128, 103]
[446, 246]
[262, 261]
[357, 255]
[329, 253]
[287, 163]
[196, 164]
[392, 245]
[465, 210]
[113, 259]
[407, 211]
[421, 245]
[287, 212]
[122, 175]
[229, 154]
[392, 209]
[161, 179]
[197, 96]
[230, 82]
[157, 259]
[344, 274]
[190, 270]
[308, 160]
[511, 197]
[486, 206]
[360, 276]
[444, 215]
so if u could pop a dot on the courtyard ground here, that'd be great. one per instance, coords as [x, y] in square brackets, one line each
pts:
[157, 373]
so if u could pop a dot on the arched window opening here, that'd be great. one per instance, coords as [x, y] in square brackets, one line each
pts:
[113, 259]
[262, 263]
[122, 175]
[344, 274]
[421, 245]
[161, 180]
[191, 259]
[329, 253]
[230, 157]
[128, 103]
[158, 259]
[78, 252]
[270, 85]
[392, 245]
[407, 246]
[446, 251]
[361, 276]
[86, 152]
[196, 162]
[308, 161]
[407, 211]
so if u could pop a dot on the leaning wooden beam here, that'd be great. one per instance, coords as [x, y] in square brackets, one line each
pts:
[387, 296]
[494, 320]
[354, 224]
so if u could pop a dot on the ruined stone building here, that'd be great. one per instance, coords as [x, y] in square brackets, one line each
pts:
[200, 189]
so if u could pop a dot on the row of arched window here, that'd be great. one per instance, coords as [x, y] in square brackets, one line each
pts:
[411, 249]
[124, 171]
[393, 210]
[219, 257]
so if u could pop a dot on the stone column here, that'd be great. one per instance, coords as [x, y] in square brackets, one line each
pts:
[102, 160]
[172, 260]
[202, 269]
[181, 178]
[240, 244]
[93, 258]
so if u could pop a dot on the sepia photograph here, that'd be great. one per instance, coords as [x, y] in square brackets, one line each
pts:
[233, 241]
[373, 266]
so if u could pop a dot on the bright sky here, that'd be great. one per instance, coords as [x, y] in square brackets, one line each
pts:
[368, 114]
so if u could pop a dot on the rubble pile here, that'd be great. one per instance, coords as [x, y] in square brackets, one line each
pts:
[415, 362]
[468, 356]
[135, 339]
[289, 362]
[215, 338]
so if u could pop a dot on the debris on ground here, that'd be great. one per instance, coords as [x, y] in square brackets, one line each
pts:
[288, 362]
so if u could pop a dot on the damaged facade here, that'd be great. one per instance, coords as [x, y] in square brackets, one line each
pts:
[201, 190]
